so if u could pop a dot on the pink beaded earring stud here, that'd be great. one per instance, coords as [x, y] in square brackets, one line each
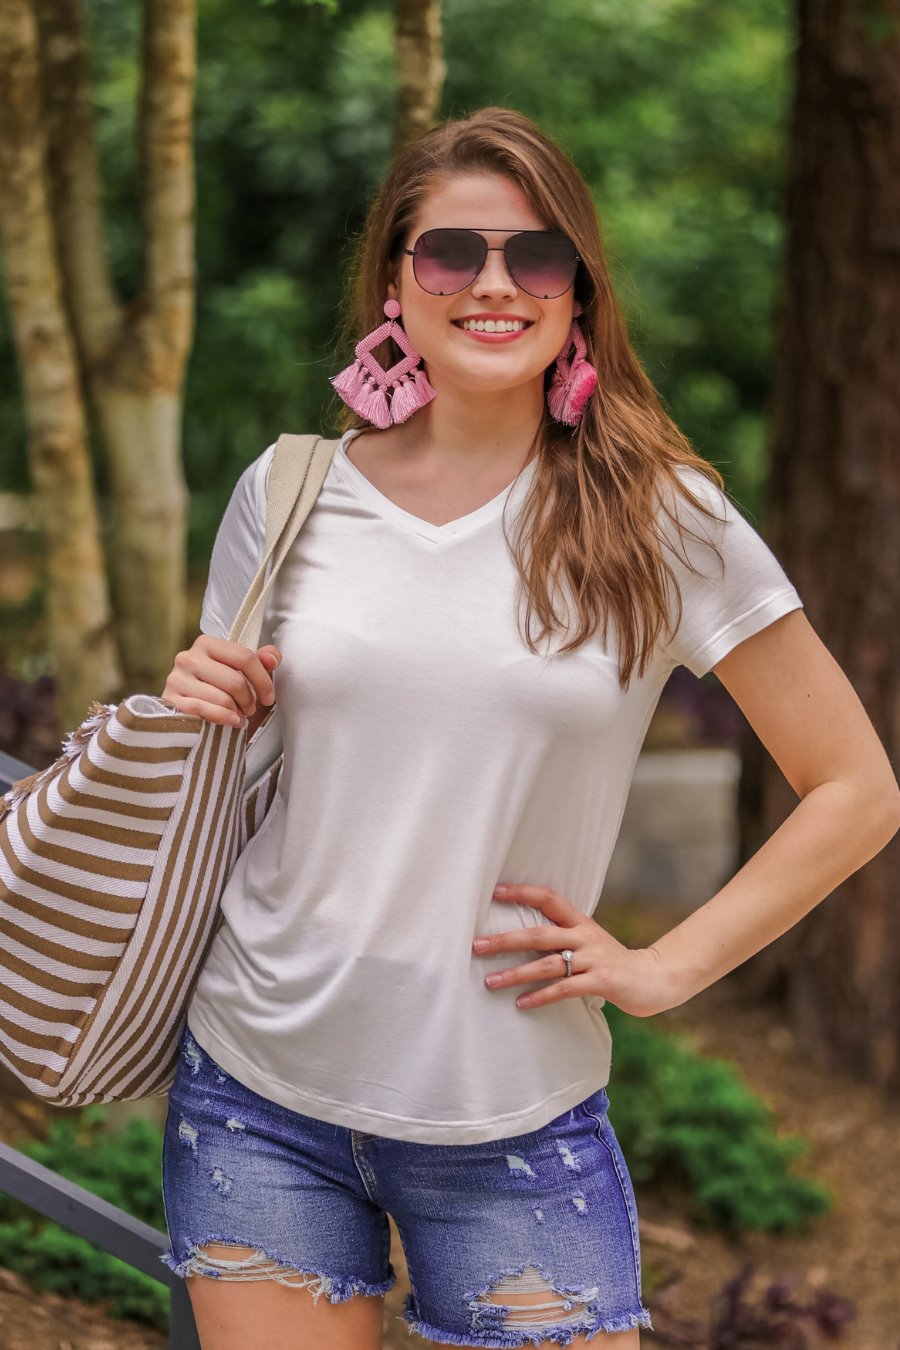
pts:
[574, 379]
[364, 384]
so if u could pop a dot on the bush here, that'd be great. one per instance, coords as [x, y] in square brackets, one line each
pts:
[123, 1168]
[690, 1120]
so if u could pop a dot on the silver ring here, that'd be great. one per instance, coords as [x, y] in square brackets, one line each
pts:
[567, 957]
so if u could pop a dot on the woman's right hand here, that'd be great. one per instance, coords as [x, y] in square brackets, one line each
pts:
[221, 681]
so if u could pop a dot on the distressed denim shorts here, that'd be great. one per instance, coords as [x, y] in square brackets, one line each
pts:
[549, 1212]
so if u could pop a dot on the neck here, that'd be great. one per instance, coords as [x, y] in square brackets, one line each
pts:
[472, 431]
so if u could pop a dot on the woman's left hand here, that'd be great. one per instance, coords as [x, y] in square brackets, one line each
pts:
[634, 979]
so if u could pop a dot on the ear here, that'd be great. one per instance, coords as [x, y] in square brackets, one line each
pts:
[393, 291]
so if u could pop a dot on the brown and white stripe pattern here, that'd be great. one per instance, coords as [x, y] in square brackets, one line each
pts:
[111, 870]
[113, 861]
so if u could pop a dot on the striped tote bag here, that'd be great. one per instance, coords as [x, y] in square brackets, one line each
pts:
[113, 861]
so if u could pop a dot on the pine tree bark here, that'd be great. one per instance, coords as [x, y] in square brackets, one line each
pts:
[833, 511]
[421, 69]
[79, 615]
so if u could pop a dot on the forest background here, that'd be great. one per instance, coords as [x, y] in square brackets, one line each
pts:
[674, 111]
[744, 163]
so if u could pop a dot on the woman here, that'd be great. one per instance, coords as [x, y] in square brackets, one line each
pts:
[453, 778]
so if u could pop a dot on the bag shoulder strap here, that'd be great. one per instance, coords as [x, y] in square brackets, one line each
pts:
[298, 470]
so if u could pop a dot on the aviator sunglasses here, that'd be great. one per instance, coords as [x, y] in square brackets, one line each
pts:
[542, 263]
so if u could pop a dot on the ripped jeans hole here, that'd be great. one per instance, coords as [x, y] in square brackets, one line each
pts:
[569, 1158]
[193, 1054]
[517, 1300]
[220, 1182]
[256, 1266]
[188, 1134]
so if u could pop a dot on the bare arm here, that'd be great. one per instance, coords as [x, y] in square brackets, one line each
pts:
[808, 716]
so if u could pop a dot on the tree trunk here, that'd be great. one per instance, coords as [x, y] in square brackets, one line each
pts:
[420, 68]
[133, 357]
[834, 502]
[78, 606]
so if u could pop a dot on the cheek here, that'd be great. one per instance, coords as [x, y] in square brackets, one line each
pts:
[426, 327]
[556, 336]
[551, 340]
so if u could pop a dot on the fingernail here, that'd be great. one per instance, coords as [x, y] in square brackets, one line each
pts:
[499, 890]
[480, 944]
[492, 981]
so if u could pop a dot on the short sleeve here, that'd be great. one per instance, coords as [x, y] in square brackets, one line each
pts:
[238, 548]
[723, 603]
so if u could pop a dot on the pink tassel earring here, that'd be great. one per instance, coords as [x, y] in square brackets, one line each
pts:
[574, 379]
[364, 384]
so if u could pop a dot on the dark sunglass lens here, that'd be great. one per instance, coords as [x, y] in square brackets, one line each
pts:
[445, 261]
[543, 264]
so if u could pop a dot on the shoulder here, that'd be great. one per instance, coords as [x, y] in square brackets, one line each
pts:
[707, 536]
[693, 512]
[694, 494]
[257, 479]
[242, 529]
[244, 521]
[730, 584]
[238, 547]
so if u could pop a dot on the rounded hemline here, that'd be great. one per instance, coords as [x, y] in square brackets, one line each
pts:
[410, 1131]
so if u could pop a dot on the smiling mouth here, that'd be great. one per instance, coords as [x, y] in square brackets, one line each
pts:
[497, 327]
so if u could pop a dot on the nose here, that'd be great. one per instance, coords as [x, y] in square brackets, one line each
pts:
[494, 278]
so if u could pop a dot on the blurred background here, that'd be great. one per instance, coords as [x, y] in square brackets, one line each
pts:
[180, 187]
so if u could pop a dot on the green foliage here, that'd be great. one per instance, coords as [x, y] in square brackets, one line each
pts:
[674, 110]
[60, 1263]
[690, 1120]
[123, 1168]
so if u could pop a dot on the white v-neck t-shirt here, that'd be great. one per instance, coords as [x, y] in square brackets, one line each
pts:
[429, 755]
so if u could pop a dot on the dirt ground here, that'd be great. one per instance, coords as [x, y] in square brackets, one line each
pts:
[854, 1251]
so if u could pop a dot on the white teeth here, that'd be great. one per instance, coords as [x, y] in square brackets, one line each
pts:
[493, 325]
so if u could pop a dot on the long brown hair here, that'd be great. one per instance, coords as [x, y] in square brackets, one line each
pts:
[590, 517]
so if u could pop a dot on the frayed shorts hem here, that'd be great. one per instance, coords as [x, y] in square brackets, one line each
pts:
[509, 1340]
[337, 1288]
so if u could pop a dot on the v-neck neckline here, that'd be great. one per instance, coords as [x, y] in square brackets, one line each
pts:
[387, 508]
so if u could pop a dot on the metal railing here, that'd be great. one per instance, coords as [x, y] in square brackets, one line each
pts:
[11, 770]
[81, 1212]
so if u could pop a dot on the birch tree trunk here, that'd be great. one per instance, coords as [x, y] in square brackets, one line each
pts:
[132, 358]
[421, 69]
[78, 607]
[834, 501]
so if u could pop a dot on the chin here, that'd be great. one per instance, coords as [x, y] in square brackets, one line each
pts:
[489, 372]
